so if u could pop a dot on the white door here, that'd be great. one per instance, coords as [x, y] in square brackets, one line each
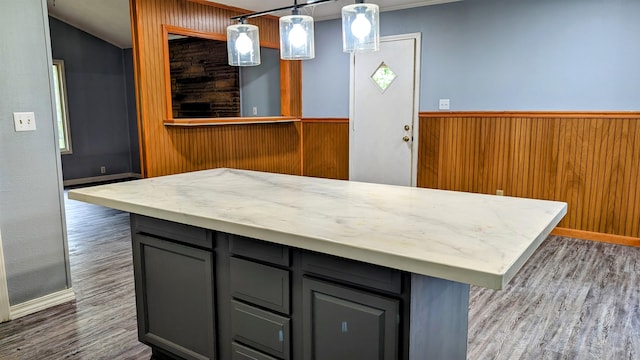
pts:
[383, 115]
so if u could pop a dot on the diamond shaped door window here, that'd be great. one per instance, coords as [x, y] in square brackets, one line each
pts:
[383, 76]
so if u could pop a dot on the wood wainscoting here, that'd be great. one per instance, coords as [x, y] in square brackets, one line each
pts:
[173, 149]
[325, 148]
[589, 160]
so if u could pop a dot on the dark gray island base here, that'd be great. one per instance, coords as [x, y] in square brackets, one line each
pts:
[203, 294]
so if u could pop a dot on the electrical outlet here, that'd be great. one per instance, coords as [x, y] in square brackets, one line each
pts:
[103, 169]
[500, 192]
[24, 121]
[443, 104]
[255, 110]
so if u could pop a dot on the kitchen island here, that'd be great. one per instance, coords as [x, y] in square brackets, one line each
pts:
[235, 264]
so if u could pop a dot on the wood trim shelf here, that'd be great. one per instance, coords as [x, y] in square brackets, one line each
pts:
[229, 121]
[325, 120]
[534, 114]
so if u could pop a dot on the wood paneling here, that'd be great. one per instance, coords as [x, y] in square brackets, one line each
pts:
[262, 147]
[291, 84]
[167, 150]
[326, 148]
[589, 160]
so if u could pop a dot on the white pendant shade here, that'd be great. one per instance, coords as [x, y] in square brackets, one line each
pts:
[360, 28]
[296, 37]
[243, 45]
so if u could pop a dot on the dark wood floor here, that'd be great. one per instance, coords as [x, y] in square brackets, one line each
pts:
[573, 300]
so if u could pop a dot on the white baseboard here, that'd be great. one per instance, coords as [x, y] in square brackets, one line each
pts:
[5, 313]
[95, 179]
[41, 303]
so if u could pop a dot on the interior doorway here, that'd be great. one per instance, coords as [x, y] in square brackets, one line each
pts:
[383, 112]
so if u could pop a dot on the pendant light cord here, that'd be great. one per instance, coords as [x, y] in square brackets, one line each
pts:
[295, 6]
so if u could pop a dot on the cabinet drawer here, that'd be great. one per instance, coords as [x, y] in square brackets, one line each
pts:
[355, 272]
[239, 352]
[173, 231]
[259, 284]
[260, 329]
[259, 250]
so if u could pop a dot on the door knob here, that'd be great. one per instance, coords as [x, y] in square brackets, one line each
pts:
[407, 127]
[406, 138]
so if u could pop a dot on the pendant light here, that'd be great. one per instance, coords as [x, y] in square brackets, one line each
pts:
[243, 44]
[296, 36]
[360, 27]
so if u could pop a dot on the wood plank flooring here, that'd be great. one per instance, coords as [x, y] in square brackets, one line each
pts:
[574, 299]
[101, 323]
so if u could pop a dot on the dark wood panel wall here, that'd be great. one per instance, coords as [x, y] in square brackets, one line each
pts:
[172, 149]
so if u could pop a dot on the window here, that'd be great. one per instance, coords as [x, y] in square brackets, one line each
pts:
[383, 76]
[62, 115]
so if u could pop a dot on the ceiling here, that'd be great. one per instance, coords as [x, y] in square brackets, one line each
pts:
[109, 19]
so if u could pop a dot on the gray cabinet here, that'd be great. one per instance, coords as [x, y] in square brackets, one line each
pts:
[340, 322]
[174, 297]
[202, 294]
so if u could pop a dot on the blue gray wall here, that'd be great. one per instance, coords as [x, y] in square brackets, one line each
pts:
[501, 55]
[132, 115]
[325, 79]
[101, 103]
[260, 85]
[31, 205]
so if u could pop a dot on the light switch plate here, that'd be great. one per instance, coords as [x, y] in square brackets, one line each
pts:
[24, 121]
[443, 104]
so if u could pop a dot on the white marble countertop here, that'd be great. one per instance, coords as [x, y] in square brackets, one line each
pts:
[471, 238]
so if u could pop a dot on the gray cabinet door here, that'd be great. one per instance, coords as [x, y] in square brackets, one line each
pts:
[174, 297]
[344, 323]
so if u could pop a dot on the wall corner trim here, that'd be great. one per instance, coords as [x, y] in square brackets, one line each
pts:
[41, 303]
[5, 312]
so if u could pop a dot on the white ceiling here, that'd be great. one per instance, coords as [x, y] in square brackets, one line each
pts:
[109, 19]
